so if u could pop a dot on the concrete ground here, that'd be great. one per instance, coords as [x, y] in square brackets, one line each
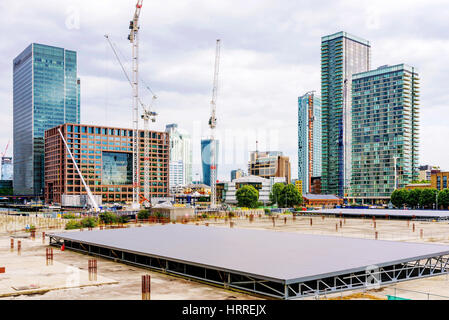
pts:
[120, 281]
[68, 279]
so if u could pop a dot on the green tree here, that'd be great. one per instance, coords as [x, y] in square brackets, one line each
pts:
[427, 197]
[73, 224]
[413, 198]
[108, 217]
[123, 219]
[275, 194]
[290, 196]
[6, 191]
[399, 198]
[247, 196]
[420, 181]
[143, 214]
[89, 222]
[443, 198]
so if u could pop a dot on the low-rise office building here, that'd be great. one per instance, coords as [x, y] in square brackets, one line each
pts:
[269, 164]
[226, 191]
[438, 180]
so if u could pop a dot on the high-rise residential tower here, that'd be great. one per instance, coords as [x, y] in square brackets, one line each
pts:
[180, 156]
[205, 158]
[385, 131]
[342, 55]
[45, 94]
[309, 139]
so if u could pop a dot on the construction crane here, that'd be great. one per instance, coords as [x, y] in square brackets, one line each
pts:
[147, 115]
[133, 37]
[89, 193]
[6, 149]
[212, 125]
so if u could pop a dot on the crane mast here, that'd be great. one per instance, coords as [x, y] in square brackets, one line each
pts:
[212, 125]
[147, 115]
[134, 39]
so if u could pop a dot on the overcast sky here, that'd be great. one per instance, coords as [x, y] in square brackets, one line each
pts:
[270, 55]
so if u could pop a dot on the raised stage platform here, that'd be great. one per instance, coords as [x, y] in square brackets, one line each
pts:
[276, 264]
[386, 213]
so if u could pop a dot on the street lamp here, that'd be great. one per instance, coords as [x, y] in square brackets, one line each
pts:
[436, 200]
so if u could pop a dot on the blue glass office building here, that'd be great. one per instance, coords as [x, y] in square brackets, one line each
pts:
[309, 139]
[46, 93]
[205, 158]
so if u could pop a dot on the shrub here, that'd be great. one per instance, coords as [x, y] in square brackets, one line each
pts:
[204, 215]
[73, 224]
[69, 216]
[89, 222]
[143, 214]
[108, 217]
[267, 211]
[123, 219]
[158, 215]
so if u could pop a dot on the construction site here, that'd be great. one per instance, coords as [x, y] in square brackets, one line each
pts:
[215, 254]
[32, 269]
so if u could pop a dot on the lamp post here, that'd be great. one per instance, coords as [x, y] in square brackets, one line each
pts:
[436, 200]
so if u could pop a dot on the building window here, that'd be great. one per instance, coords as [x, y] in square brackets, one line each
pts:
[444, 182]
[438, 182]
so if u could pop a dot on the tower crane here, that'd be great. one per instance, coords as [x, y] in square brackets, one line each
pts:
[133, 37]
[147, 115]
[6, 149]
[212, 125]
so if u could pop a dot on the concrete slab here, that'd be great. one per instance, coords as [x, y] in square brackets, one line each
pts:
[30, 275]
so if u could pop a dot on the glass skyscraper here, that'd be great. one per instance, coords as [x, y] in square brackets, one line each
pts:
[46, 94]
[342, 55]
[309, 139]
[385, 130]
[205, 158]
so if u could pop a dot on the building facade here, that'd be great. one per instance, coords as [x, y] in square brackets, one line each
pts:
[180, 156]
[104, 157]
[309, 139]
[316, 185]
[7, 168]
[269, 164]
[424, 172]
[46, 93]
[226, 191]
[176, 179]
[385, 110]
[235, 174]
[342, 55]
[205, 158]
[438, 180]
